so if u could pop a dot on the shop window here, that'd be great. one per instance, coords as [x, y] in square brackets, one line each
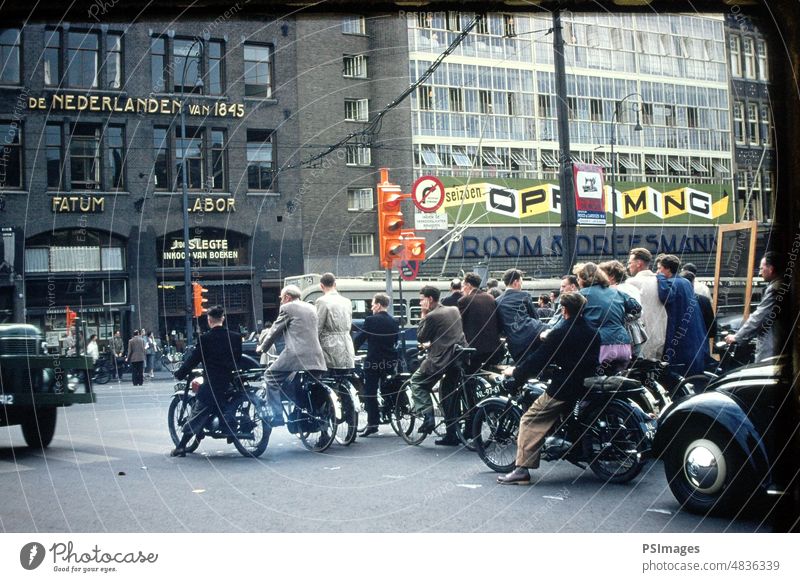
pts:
[260, 160]
[258, 70]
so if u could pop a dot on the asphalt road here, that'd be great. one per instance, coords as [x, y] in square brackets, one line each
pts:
[108, 470]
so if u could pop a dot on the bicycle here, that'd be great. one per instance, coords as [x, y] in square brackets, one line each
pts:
[344, 388]
[469, 388]
[171, 359]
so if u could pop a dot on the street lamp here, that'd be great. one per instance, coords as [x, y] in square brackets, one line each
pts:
[187, 267]
[638, 127]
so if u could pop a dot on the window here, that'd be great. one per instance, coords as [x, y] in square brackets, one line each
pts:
[158, 64]
[355, 66]
[485, 101]
[260, 160]
[490, 158]
[356, 109]
[115, 156]
[258, 71]
[545, 106]
[10, 156]
[669, 115]
[359, 155]
[190, 146]
[361, 245]
[647, 113]
[354, 25]
[425, 98]
[691, 116]
[52, 58]
[82, 59]
[424, 19]
[215, 75]
[738, 122]
[761, 50]
[509, 26]
[460, 158]
[52, 140]
[161, 149]
[483, 25]
[219, 161]
[511, 102]
[752, 123]
[186, 65]
[84, 156]
[596, 109]
[430, 157]
[453, 21]
[766, 125]
[456, 99]
[749, 59]
[113, 60]
[9, 56]
[735, 44]
[359, 199]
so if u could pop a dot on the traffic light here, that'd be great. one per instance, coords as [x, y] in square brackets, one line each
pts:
[413, 247]
[390, 223]
[198, 299]
[71, 317]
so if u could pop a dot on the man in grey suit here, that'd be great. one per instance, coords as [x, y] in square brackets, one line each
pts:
[440, 331]
[763, 323]
[297, 325]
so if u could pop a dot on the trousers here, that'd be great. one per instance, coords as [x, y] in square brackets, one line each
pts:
[533, 427]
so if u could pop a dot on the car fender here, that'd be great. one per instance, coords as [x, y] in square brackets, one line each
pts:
[713, 409]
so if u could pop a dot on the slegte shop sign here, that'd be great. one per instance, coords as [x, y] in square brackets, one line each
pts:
[201, 249]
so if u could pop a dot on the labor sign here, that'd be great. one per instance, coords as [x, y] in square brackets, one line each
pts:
[428, 193]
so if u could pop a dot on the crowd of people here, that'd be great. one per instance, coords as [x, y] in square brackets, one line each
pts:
[601, 318]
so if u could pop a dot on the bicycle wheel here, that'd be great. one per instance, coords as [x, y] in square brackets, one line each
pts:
[180, 408]
[252, 432]
[324, 417]
[404, 419]
[347, 428]
[616, 438]
[466, 411]
[496, 426]
[102, 376]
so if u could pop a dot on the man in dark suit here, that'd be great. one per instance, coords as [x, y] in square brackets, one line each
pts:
[481, 324]
[575, 347]
[380, 330]
[219, 350]
[455, 294]
[136, 358]
[440, 331]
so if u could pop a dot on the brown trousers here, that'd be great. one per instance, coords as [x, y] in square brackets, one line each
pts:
[533, 426]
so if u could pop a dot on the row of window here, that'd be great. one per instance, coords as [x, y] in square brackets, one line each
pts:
[754, 195]
[752, 124]
[748, 57]
[92, 59]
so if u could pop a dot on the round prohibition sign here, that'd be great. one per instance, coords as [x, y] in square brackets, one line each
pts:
[428, 193]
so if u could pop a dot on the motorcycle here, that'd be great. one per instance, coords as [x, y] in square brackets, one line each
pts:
[244, 414]
[606, 431]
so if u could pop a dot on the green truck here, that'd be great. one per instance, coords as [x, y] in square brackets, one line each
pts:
[33, 383]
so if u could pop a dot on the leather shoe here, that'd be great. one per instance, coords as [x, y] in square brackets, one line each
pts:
[428, 424]
[178, 452]
[519, 476]
[368, 430]
[447, 442]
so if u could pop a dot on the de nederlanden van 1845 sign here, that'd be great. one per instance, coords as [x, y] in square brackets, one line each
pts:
[138, 105]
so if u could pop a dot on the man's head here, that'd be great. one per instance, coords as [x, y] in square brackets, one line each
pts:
[569, 284]
[544, 300]
[290, 293]
[691, 267]
[639, 260]
[135, 332]
[688, 275]
[380, 302]
[216, 316]
[513, 278]
[428, 297]
[472, 281]
[327, 281]
[554, 295]
[117, 333]
[668, 265]
[614, 270]
[572, 304]
[492, 284]
[92, 337]
[771, 266]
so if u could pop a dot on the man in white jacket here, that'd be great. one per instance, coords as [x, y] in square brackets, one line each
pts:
[654, 315]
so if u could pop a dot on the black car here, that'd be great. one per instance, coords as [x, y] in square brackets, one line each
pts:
[736, 443]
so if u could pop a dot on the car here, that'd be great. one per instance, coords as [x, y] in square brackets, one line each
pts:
[733, 445]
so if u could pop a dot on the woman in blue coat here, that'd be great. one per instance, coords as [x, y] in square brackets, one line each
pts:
[607, 309]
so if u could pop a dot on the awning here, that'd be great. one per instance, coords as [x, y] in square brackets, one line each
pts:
[576, 158]
[698, 166]
[627, 163]
[549, 160]
[601, 161]
[491, 158]
[430, 157]
[461, 159]
[677, 166]
[653, 165]
[520, 159]
[719, 167]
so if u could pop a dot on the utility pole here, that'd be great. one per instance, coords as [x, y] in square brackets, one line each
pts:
[569, 222]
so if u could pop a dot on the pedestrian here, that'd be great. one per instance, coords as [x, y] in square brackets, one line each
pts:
[117, 349]
[654, 315]
[92, 349]
[150, 353]
[455, 294]
[136, 358]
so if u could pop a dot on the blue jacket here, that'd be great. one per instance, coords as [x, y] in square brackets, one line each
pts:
[380, 331]
[519, 321]
[686, 344]
[606, 309]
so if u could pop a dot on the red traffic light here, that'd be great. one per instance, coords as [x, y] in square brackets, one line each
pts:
[198, 300]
